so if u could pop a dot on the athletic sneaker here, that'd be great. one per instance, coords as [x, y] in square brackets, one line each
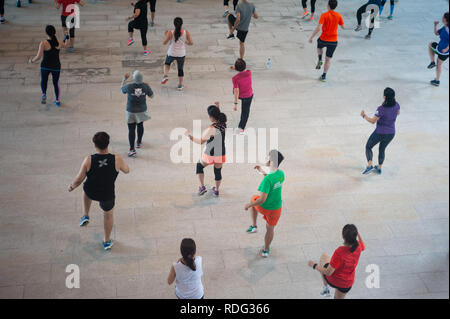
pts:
[377, 169]
[265, 253]
[215, 192]
[43, 99]
[368, 170]
[319, 65]
[138, 145]
[180, 87]
[432, 65]
[252, 229]
[201, 190]
[367, 37]
[57, 103]
[152, 23]
[305, 14]
[226, 13]
[130, 41]
[390, 17]
[164, 79]
[325, 292]
[230, 36]
[311, 19]
[108, 244]
[2, 20]
[146, 52]
[323, 78]
[435, 83]
[71, 49]
[358, 28]
[241, 132]
[131, 153]
[84, 221]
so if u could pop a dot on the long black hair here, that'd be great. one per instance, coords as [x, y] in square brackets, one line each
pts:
[188, 249]
[51, 32]
[177, 22]
[350, 235]
[390, 98]
[215, 113]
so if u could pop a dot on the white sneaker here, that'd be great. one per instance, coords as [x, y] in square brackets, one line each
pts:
[325, 292]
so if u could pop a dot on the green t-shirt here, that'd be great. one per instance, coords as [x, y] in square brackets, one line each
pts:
[271, 185]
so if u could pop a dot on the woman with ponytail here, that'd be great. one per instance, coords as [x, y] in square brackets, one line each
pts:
[178, 38]
[385, 118]
[49, 50]
[187, 272]
[339, 271]
[214, 153]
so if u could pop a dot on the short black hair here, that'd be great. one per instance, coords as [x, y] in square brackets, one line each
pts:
[240, 65]
[276, 157]
[101, 140]
[333, 4]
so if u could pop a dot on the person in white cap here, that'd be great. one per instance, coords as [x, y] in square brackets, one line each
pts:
[137, 112]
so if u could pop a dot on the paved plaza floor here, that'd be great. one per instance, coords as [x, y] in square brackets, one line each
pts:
[403, 214]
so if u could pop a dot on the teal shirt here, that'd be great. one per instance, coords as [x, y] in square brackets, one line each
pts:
[271, 185]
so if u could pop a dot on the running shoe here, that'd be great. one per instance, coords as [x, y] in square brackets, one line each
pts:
[43, 99]
[323, 78]
[57, 103]
[435, 83]
[130, 41]
[368, 170]
[319, 65]
[325, 292]
[146, 52]
[358, 28]
[138, 145]
[215, 192]
[201, 190]
[252, 229]
[2, 20]
[164, 79]
[390, 17]
[241, 132]
[131, 153]
[432, 65]
[84, 221]
[108, 244]
[230, 36]
[180, 87]
[378, 170]
[367, 37]
[71, 49]
[226, 13]
[265, 253]
[311, 19]
[305, 14]
[152, 24]
[18, 4]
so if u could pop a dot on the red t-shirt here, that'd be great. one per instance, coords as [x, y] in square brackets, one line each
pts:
[65, 3]
[344, 262]
[243, 81]
[330, 21]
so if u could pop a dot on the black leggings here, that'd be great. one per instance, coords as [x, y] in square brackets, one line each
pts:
[245, 111]
[44, 80]
[2, 7]
[313, 5]
[235, 2]
[152, 5]
[142, 27]
[374, 139]
[359, 14]
[132, 133]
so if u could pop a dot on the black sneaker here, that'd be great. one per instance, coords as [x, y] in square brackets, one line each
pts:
[432, 65]
[435, 83]
[323, 78]
[367, 37]
[319, 65]
[231, 36]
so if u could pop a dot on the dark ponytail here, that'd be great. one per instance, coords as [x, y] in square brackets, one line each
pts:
[188, 249]
[390, 98]
[51, 32]
[177, 22]
[215, 113]
[350, 235]
[446, 17]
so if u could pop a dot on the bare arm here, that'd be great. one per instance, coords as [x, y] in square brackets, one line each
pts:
[167, 37]
[262, 198]
[81, 174]
[205, 137]
[123, 167]
[255, 15]
[172, 276]
[135, 15]
[371, 120]
[236, 97]
[315, 32]
[189, 39]
[63, 44]
[436, 23]
[57, 5]
[39, 53]
[236, 24]
[361, 240]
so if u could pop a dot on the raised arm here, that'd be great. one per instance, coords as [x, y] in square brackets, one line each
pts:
[369, 119]
[436, 23]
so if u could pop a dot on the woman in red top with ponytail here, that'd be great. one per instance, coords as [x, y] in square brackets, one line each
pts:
[339, 272]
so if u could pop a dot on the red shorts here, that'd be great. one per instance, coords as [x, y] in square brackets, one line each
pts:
[271, 216]
[208, 159]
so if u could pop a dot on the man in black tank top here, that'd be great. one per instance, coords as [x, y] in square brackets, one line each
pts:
[99, 171]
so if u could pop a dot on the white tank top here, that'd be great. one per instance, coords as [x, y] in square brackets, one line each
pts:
[178, 49]
[188, 284]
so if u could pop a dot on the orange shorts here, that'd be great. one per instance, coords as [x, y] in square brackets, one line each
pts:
[271, 216]
[208, 159]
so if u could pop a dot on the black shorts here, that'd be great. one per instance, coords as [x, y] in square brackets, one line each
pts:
[331, 47]
[343, 290]
[105, 205]
[442, 57]
[241, 35]
[152, 5]
[71, 30]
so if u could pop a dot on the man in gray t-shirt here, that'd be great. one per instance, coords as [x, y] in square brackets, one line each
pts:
[244, 12]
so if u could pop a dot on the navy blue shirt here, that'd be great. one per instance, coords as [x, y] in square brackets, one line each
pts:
[443, 44]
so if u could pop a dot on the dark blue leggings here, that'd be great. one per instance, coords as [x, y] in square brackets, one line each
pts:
[374, 139]
[44, 79]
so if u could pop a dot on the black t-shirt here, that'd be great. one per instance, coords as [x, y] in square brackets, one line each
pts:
[142, 18]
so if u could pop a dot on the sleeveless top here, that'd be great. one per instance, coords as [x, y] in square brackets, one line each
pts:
[51, 58]
[215, 146]
[178, 49]
[188, 283]
[99, 184]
